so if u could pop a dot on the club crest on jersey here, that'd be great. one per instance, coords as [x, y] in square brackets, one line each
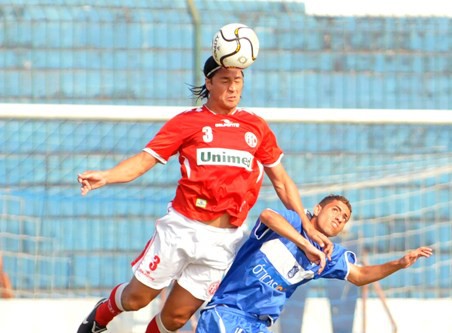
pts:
[295, 269]
[222, 156]
[251, 139]
[213, 287]
[227, 123]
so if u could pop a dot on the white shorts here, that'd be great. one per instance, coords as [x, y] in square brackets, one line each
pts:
[193, 253]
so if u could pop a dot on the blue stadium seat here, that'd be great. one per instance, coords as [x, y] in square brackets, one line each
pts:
[89, 265]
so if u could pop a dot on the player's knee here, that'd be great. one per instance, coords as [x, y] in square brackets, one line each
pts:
[175, 321]
[134, 301]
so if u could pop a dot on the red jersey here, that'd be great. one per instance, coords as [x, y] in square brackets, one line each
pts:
[221, 161]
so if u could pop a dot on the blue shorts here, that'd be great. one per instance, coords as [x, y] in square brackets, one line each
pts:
[222, 319]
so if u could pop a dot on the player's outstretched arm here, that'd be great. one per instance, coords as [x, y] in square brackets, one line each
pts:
[362, 275]
[123, 172]
[290, 196]
[282, 227]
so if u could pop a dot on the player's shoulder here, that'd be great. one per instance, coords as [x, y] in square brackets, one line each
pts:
[187, 116]
[290, 216]
[190, 112]
[339, 250]
[248, 113]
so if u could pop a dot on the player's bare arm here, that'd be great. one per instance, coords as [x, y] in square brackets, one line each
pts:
[362, 275]
[279, 224]
[123, 172]
[288, 193]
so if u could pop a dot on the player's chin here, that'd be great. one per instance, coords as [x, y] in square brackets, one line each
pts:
[331, 232]
[232, 101]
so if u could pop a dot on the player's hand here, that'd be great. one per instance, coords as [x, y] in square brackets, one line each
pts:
[90, 180]
[315, 256]
[324, 242]
[411, 257]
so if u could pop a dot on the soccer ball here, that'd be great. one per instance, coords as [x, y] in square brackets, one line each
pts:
[235, 45]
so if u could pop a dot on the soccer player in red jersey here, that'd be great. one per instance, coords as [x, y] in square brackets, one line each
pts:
[223, 152]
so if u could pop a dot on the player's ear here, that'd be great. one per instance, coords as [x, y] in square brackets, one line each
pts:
[208, 83]
[317, 210]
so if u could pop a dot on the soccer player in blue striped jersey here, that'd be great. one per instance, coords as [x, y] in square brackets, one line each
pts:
[271, 264]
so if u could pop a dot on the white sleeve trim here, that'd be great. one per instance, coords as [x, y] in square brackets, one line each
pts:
[274, 163]
[348, 263]
[154, 154]
[267, 229]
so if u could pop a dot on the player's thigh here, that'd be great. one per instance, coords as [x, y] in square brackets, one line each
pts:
[201, 280]
[213, 255]
[164, 256]
[213, 321]
[180, 304]
[221, 319]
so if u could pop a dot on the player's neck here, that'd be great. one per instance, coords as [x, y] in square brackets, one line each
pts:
[219, 110]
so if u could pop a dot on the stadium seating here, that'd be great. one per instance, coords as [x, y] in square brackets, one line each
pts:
[133, 53]
[141, 52]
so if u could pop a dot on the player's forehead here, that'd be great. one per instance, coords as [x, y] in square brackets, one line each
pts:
[230, 72]
[339, 205]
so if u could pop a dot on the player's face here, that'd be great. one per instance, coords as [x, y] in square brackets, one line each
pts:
[332, 217]
[225, 90]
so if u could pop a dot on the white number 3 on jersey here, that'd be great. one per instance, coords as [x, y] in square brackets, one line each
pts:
[208, 136]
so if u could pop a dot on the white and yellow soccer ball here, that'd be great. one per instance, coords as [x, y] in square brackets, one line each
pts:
[235, 45]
